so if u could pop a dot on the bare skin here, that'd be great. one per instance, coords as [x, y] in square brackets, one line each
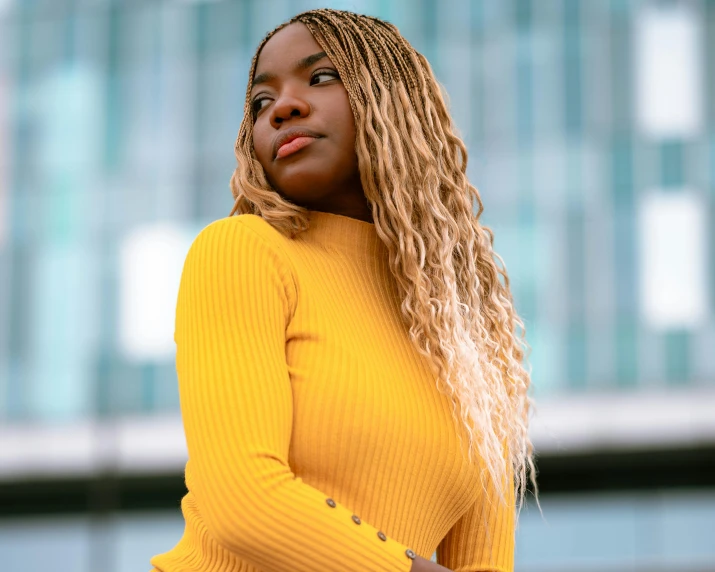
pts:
[420, 564]
[297, 88]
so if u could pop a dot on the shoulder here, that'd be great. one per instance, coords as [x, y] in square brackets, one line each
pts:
[242, 228]
[242, 239]
[260, 226]
[246, 231]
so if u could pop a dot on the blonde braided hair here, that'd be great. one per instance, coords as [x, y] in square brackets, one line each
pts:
[413, 172]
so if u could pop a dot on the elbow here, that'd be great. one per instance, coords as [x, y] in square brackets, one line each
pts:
[239, 525]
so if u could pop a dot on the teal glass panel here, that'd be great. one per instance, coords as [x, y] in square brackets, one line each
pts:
[4, 330]
[524, 92]
[573, 80]
[710, 237]
[166, 390]
[600, 356]
[671, 164]
[531, 269]
[574, 168]
[113, 117]
[677, 360]
[476, 15]
[575, 265]
[19, 312]
[546, 359]
[127, 388]
[576, 343]
[14, 408]
[429, 45]
[622, 8]
[626, 341]
[522, 15]
[219, 22]
[63, 295]
[709, 48]
[626, 262]
[147, 378]
[103, 402]
[576, 356]
[621, 162]
[622, 73]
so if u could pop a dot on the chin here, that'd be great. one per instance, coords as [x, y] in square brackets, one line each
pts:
[302, 188]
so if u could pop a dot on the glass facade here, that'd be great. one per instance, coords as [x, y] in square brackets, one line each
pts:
[590, 126]
[121, 116]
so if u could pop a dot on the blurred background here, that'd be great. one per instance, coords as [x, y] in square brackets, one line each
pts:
[591, 133]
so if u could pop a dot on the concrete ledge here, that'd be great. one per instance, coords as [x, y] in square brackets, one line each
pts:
[129, 445]
[611, 422]
[572, 425]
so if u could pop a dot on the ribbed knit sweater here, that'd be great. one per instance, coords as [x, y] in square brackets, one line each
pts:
[317, 438]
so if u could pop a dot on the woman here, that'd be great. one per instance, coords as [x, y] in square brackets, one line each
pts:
[351, 381]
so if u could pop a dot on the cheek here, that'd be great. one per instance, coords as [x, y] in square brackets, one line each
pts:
[344, 117]
[261, 146]
[347, 113]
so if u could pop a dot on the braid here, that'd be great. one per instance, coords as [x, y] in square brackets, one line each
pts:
[454, 288]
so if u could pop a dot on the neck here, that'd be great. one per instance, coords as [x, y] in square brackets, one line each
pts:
[346, 198]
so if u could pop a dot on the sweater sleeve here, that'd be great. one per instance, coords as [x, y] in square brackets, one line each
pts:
[236, 299]
[482, 540]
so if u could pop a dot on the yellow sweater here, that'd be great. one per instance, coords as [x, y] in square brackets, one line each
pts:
[317, 439]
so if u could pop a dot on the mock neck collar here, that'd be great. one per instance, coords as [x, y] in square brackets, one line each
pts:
[353, 237]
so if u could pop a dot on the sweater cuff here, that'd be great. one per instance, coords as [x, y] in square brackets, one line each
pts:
[400, 554]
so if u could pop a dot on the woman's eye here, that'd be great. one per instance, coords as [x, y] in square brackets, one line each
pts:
[257, 104]
[323, 76]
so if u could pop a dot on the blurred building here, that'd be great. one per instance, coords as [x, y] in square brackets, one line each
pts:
[591, 133]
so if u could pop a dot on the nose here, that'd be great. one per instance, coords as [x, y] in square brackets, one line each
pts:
[288, 106]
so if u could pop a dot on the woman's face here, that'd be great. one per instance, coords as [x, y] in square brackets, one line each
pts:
[304, 130]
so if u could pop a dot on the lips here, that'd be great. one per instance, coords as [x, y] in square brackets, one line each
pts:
[292, 140]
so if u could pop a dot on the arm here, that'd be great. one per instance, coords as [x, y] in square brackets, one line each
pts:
[482, 540]
[236, 298]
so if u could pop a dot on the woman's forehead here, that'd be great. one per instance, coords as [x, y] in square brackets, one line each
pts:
[287, 45]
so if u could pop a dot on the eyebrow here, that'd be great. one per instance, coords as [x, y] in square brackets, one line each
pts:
[302, 64]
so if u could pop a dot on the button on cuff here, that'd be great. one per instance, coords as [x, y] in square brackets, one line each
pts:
[410, 554]
[356, 519]
[381, 535]
[330, 502]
